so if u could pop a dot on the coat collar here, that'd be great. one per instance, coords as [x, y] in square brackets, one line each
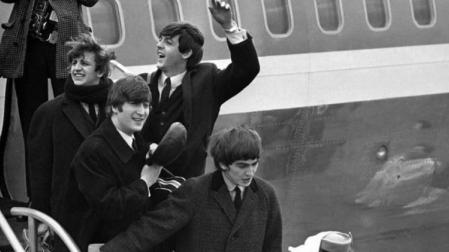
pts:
[217, 182]
[110, 134]
[74, 112]
[221, 195]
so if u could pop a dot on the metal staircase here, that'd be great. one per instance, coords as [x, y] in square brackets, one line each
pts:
[34, 215]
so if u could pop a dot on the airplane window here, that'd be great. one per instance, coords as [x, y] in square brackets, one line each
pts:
[277, 16]
[164, 12]
[218, 31]
[104, 19]
[329, 14]
[377, 12]
[424, 12]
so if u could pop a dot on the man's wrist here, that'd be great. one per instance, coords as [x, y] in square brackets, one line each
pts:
[233, 27]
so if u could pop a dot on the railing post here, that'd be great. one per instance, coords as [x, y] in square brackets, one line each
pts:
[32, 234]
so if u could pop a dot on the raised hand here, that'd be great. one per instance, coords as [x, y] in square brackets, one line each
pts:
[221, 11]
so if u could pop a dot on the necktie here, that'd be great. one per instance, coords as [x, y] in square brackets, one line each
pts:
[166, 91]
[92, 113]
[134, 144]
[238, 198]
[101, 113]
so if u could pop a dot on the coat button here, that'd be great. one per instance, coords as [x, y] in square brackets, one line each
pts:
[162, 123]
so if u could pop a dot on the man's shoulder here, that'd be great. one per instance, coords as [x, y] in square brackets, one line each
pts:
[200, 183]
[94, 143]
[203, 66]
[48, 108]
[264, 185]
[200, 180]
[146, 76]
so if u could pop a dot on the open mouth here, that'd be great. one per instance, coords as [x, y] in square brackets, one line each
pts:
[77, 75]
[160, 55]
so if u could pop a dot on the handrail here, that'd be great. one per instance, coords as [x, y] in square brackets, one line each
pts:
[9, 233]
[118, 70]
[33, 214]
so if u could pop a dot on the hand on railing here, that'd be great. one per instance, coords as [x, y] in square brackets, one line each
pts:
[45, 238]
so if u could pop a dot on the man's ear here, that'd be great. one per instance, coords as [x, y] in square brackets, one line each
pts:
[223, 167]
[99, 74]
[187, 54]
[114, 110]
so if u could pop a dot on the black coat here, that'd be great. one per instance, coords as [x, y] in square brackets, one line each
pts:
[57, 129]
[204, 89]
[109, 193]
[202, 213]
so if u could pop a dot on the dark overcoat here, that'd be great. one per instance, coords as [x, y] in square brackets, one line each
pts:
[109, 193]
[57, 129]
[203, 215]
[204, 89]
[14, 40]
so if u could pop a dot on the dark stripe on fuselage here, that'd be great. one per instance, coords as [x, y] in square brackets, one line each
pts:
[322, 158]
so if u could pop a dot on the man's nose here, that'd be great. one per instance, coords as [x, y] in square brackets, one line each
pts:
[251, 170]
[77, 65]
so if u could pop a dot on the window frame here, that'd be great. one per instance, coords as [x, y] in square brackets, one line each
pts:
[389, 17]
[433, 20]
[342, 19]
[153, 26]
[290, 18]
[121, 22]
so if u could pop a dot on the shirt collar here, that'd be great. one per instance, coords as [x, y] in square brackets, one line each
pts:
[175, 80]
[229, 185]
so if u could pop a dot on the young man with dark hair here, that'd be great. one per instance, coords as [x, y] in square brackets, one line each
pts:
[32, 49]
[187, 91]
[111, 177]
[60, 126]
[228, 210]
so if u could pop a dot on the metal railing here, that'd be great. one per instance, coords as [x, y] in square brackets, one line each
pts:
[34, 215]
[9, 233]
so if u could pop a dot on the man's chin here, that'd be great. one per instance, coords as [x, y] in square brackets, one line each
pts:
[78, 83]
[246, 183]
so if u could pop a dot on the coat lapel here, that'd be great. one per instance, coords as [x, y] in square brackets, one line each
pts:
[153, 82]
[74, 113]
[116, 142]
[187, 99]
[248, 206]
[221, 195]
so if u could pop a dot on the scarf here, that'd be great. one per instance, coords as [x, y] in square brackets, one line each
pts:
[96, 94]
